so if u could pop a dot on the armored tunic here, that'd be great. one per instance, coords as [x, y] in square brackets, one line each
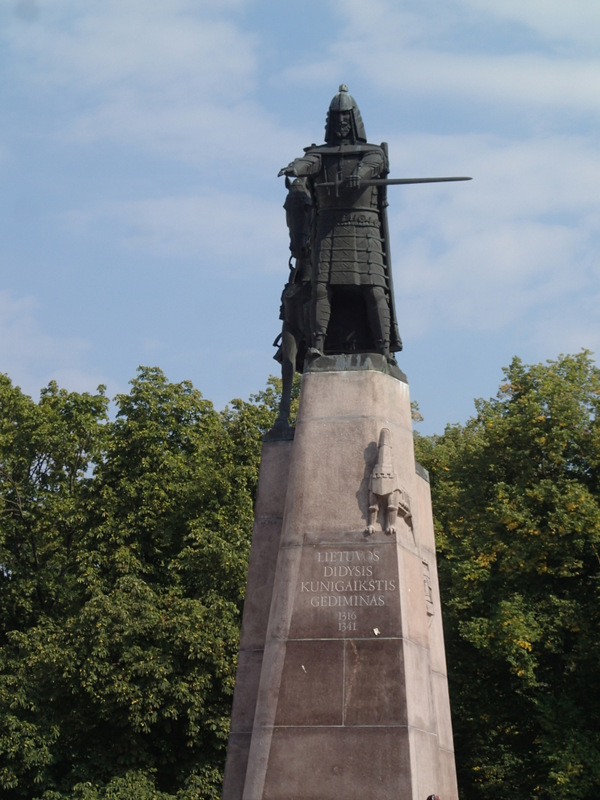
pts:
[348, 243]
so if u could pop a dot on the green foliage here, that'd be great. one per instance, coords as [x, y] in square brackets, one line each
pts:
[516, 495]
[123, 552]
[46, 450]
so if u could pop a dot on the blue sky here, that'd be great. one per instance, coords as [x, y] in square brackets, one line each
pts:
[142, 219]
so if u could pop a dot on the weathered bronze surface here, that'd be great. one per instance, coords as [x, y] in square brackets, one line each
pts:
[351, 306]
[339, 298]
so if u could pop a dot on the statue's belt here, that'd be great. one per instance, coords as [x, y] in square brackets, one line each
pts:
[340, 217]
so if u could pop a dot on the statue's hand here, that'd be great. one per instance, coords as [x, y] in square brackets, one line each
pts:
[289, 170]
[352, 182]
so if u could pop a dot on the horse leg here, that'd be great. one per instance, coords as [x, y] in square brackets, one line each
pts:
[289, 349]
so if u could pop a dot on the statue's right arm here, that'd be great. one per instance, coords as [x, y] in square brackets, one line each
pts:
[300, 167]
[289, 170]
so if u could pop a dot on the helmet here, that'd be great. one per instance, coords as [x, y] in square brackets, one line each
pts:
[343, 101]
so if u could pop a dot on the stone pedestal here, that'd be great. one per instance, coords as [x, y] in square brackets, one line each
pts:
[341, 689]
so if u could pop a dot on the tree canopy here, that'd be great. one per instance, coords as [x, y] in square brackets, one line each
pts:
[516, 496]
[123, 553]
[124, 539]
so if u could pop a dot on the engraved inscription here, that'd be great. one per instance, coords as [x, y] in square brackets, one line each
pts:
[347, 589]
[347, 621]
[347, 580]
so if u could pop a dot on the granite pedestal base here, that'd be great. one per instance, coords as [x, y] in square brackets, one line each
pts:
[341, 689]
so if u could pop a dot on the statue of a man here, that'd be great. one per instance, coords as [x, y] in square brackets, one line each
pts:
[352, 304]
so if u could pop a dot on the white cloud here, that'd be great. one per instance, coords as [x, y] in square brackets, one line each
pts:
[216, 228]
[31, 357]
[527, 80]
[176, 79]
[471, 23]
[175, 47]
[216, 137]
[569, 327]
[577, 21]
[534, 177]
[521, 238]
[438, 50]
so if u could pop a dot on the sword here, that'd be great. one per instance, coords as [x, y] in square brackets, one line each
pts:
[392, 181]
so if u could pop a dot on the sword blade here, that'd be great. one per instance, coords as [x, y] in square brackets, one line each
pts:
[396, 181]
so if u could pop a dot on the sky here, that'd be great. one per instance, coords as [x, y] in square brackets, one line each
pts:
[141, 218]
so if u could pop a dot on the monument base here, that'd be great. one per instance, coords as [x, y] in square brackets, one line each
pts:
[342, 688]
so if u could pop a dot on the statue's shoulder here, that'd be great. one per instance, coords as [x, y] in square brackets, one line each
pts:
[343, 150]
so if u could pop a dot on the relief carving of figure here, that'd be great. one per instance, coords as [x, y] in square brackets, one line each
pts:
[385, 490]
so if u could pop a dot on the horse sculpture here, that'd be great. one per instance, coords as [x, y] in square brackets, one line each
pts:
[293, 340]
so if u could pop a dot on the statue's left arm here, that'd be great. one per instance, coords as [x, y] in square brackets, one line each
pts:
[371, 165]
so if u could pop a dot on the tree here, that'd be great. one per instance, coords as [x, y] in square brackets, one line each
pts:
[45, 452]
[516, 495]
[123, 547]
[123, 551]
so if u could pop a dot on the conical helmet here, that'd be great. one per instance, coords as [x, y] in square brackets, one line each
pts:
[343, 101]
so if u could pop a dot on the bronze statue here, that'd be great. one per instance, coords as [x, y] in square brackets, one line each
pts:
[340, 297]
[352, 304]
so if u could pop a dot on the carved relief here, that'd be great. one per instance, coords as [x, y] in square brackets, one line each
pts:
[385, 489]
[428, 589]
